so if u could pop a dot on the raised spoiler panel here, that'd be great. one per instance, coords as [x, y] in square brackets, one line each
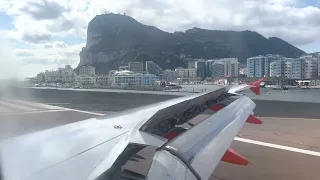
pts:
[181, 112]
[196, 153]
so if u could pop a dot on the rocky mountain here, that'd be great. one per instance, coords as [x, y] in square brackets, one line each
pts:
[114, 40]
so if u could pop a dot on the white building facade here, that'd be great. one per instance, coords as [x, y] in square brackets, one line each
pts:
[189, 73]
[128, 78]
[85, 79]
[64, 75]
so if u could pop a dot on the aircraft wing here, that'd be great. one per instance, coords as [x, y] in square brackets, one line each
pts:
[98, 148]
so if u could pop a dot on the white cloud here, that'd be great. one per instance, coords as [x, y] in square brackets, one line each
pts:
[20, 63]
[269, 17]
[40, 25]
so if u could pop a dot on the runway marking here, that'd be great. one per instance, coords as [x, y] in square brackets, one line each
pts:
[288, 148]
[311, 119]
[40, 105]
[88, 112]
[32, 112]
[54, 107]
[58, 103]
[17, 106]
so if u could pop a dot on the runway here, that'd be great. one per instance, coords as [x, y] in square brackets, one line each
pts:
[280, 148]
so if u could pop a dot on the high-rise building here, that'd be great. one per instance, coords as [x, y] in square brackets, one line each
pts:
[256, 66]
[230, 67]
[277, 69]
[153, 68]
[310, 68]
[288, 69]
[259, 66]
[136, 66]
[297, 69]
[251, 67]
[200, 65]
[209, 65]
[218, 69]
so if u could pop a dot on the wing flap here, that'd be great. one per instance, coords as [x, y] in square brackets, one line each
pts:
[204, 145]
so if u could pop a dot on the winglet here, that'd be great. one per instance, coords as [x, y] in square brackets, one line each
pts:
[256, 89]
[232, 156]
[254, 120]
[255, 86]
[257, 82]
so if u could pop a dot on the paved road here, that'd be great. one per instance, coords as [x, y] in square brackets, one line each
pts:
[280, 148]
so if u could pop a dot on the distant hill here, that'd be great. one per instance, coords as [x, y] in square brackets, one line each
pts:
[114, 40]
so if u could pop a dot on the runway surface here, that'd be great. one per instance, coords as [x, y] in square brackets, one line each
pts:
[280, 148]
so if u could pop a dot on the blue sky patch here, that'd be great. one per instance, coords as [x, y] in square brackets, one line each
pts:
[6, 21]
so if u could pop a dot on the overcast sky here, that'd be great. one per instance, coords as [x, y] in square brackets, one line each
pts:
[43, 34]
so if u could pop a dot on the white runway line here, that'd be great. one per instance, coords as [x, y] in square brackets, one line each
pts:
[32, 112]
[32, 103]
[276, 146]
[24, 108]
[58, 103]
[87, 112]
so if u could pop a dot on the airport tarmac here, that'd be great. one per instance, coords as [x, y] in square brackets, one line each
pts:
[280, 148]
